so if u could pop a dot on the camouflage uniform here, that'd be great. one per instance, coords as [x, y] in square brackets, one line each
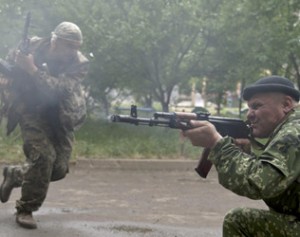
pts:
[272, 174]
[48, 107]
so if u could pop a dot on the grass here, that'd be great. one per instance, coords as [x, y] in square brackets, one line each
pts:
[105, 140]
[10, 147]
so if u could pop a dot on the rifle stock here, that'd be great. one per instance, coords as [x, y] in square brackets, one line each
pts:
[232, 127]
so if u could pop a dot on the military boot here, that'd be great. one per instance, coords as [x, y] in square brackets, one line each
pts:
[25, 220]
[7, 185]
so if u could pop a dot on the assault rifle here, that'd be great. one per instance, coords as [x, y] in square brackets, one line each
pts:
[232, 127]
[24, 46]
[5, 67]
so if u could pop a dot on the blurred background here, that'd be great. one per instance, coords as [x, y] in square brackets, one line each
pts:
[162, 55]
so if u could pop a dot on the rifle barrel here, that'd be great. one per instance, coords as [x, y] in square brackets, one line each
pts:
[140, 121]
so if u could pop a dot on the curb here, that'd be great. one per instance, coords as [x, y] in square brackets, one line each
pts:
[129, 164]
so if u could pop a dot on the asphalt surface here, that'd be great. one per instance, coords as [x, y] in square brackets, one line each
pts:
[129, 198]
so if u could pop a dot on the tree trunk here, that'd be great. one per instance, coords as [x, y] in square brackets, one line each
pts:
[296, 68]
[165, 106]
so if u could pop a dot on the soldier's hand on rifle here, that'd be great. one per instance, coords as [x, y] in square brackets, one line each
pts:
[202, 133]
[26, 62]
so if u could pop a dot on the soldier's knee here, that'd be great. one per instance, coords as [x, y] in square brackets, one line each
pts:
[233, 215]
[34, 152]
[59, 171]
[232, 222]
[235, 212]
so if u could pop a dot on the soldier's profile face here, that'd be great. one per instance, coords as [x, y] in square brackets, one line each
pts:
[266, 112]
[64, 50]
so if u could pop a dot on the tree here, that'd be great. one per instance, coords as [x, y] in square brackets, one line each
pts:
[147, 47]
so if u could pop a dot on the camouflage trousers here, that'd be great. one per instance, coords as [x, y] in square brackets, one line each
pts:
[259, 223]
[47, 150]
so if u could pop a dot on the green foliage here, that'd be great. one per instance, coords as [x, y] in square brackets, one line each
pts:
[12, 15]
[149, 46]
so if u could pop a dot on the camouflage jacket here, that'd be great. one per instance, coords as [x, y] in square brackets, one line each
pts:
[272, 174]
[55, 91]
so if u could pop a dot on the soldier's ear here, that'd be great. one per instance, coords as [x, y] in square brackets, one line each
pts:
[288, 104]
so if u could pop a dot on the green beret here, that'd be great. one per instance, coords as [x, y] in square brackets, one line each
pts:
[272, 84]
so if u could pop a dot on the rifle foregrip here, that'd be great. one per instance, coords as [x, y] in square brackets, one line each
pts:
[204, 164]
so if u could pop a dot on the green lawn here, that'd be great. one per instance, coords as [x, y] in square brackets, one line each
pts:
[103, 139]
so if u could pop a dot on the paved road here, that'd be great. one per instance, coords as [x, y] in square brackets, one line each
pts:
[129, 198]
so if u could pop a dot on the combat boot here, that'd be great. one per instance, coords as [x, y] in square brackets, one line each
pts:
[26, 220]
[7, 184]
